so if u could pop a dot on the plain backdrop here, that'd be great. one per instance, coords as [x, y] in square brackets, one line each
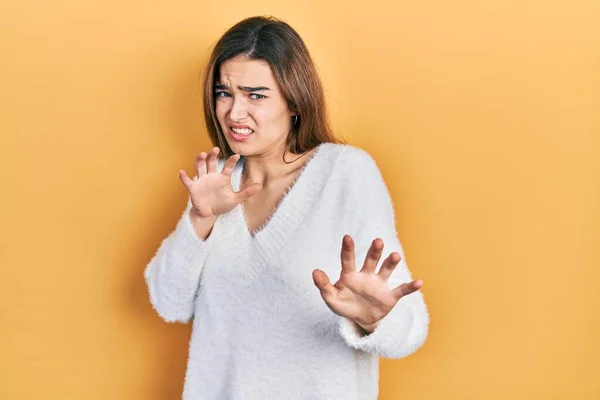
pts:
[482, 115]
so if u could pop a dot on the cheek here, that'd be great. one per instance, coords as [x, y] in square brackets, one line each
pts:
[220, 110]
[271, 116]
[261, 116]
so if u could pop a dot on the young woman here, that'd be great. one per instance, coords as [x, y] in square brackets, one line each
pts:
[278, 208]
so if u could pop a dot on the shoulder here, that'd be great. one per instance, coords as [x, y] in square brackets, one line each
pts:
[348, 156]
[363, 187]
[353, 162]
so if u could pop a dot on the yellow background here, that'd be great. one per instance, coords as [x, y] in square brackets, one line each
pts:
[483, 116]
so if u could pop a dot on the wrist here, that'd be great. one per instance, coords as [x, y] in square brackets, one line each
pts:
[366, 329]
[201, 225]
[195, 215]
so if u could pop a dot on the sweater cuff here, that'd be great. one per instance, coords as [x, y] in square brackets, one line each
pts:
[388, 336]
[186, 241]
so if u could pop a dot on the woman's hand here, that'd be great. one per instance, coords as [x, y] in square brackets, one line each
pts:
[363, 296]
[211, 194]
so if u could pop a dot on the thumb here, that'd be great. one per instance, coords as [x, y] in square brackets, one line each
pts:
[322, 282]
[248, 192]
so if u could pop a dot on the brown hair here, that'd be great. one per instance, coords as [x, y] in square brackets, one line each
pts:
[279, 45]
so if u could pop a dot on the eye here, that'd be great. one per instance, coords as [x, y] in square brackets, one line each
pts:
[225, 94]
[260, 96]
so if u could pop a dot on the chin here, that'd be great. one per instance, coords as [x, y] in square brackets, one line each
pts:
[238, 148]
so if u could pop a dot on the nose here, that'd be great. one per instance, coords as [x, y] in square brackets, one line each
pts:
[238, 109]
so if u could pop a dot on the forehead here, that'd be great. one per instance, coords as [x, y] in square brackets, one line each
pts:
[243, 71]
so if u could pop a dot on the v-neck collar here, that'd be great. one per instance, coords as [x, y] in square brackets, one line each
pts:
[284, 198]
[288, 214]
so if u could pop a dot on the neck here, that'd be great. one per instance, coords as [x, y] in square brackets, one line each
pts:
[270, 166]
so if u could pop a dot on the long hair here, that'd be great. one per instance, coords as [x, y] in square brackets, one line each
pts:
[279, 45]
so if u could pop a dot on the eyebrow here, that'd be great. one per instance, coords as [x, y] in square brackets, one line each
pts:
[244, 88]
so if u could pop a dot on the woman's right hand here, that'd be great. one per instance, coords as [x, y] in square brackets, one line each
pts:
[211, 194]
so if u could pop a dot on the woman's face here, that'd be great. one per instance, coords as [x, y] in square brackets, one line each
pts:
[250, 107]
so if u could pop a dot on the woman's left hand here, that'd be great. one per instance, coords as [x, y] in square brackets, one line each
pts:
[363, 296]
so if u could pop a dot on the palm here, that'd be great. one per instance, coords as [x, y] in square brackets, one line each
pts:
[211, 193]
[358, 293]
[363, 296]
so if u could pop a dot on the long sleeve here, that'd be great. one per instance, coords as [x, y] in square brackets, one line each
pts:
[173, 274]
[405, 328]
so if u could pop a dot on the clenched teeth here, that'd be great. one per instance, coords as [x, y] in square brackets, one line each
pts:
[242, 131]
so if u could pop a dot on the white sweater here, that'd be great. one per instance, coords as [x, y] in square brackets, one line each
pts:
[261, 329]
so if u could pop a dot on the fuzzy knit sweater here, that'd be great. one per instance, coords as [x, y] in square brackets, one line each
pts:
[261, 329]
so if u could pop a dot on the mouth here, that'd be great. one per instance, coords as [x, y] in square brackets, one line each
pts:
[240, 134]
